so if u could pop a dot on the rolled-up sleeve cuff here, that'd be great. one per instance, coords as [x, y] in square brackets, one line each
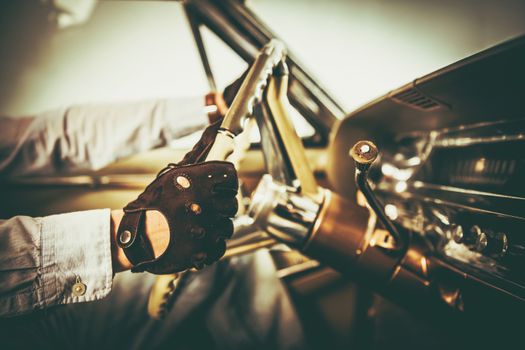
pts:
[76, 248]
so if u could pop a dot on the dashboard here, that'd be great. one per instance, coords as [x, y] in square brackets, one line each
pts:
[451, 170]
[464, 193]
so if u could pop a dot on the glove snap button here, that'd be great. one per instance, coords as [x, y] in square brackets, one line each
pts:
[125, 237]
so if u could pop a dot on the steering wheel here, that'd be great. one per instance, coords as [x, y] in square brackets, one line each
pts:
[287, 201]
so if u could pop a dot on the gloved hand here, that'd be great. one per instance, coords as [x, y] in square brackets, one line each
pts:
[197, 199]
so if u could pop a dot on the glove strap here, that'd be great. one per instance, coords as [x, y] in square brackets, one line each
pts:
[133, 240]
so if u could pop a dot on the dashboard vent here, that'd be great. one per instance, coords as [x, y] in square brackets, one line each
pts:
[416, 99]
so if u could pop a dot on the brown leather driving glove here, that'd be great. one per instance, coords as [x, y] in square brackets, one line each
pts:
[197, 199]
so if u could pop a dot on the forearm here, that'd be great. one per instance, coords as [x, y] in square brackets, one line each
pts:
[118, 258]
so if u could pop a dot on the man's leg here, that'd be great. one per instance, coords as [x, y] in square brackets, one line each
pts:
[235, 304]
[109, 323]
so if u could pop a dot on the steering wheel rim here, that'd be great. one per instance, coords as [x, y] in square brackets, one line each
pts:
[265, 86]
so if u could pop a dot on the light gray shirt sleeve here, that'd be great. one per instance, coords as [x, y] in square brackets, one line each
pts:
[89, 137]
[42, 259]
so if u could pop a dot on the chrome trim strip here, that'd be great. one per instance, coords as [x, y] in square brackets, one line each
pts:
[469, 141]
[420, 184]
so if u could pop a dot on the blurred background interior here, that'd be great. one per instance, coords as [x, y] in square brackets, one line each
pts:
[128, 50]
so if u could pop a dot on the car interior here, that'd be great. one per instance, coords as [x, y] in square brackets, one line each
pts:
[393, 222]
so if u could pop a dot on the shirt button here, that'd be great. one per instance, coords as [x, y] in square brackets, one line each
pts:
[79, 288]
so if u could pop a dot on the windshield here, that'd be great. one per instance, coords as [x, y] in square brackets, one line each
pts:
[129, 50]
[360, 50]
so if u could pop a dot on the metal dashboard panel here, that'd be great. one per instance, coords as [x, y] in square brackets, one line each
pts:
[485, 87]
[452, 162]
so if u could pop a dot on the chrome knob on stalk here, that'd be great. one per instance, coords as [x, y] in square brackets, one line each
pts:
[364, 154]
